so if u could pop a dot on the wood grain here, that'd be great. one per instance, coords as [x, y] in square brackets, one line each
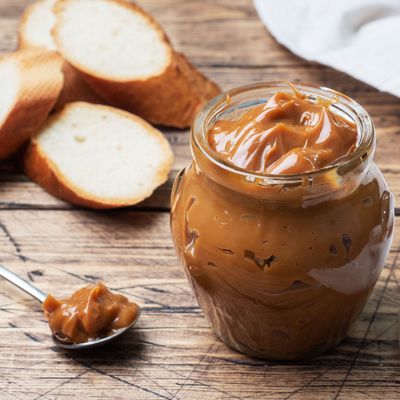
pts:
[172, 353]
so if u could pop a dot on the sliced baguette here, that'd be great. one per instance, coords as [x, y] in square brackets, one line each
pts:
[35, 28]
[126, 57]
[30, 83]
[98, 156]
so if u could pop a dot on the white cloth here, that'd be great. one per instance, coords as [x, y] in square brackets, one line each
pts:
[359, 37]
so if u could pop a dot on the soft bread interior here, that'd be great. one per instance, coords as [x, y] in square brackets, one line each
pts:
[110, 39]
[9, 84]
[105, 153]
[39, 23]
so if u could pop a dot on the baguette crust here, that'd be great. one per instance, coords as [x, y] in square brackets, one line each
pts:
[171, 98]
[47, 174]
[75, 87]
[40, 84]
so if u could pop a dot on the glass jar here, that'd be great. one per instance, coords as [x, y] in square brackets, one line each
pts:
[281, 265]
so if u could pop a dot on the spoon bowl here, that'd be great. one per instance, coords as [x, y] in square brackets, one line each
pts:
[96, 342]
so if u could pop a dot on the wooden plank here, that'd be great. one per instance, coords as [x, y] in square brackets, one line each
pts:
[16, 191]
[172, 353]
[212, 26]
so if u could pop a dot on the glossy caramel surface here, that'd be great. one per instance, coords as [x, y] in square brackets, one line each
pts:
[91, 312]
[289, 134]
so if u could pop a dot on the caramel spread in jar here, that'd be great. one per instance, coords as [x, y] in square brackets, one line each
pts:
[289, 134]
[282, 264]
[90, 313]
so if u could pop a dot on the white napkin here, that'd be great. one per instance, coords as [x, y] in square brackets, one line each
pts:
[359, 37]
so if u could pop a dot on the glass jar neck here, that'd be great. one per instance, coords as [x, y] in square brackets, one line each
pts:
[334, 181]
[311, 189]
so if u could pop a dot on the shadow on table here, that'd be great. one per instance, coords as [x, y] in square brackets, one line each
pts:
[127, 347]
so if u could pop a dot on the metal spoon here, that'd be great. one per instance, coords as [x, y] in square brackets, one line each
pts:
[41, 296]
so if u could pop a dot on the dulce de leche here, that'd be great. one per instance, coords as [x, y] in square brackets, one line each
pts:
[91, 312]
[282, 222]
[289, 134]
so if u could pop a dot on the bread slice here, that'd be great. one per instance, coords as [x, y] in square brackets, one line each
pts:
[127, 59]
[35, 28]
[98, 156]
[30, 83]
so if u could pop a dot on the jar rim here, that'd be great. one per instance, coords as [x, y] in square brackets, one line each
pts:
[342, 103]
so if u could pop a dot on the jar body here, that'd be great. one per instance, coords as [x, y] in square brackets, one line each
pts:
[281, 280]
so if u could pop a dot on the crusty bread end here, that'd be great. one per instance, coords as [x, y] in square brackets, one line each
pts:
[31, 82]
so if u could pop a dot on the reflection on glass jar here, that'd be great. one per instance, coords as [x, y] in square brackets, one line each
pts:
[281, 264]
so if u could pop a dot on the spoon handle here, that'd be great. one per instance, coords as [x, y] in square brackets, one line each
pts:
[22, 284]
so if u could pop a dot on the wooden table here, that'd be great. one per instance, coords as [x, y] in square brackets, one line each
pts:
[173, 354]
